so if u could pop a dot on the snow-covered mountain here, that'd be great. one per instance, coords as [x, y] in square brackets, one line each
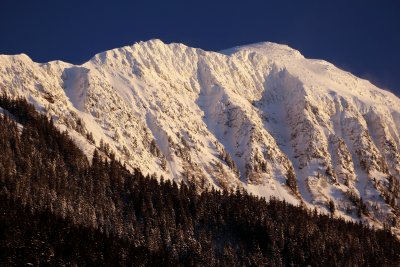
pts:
[260, 117]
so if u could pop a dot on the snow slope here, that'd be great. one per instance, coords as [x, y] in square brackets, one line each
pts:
[250, 117]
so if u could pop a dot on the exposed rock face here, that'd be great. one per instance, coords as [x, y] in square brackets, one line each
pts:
[261, 117]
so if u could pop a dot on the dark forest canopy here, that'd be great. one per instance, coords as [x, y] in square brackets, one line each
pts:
[57, 208]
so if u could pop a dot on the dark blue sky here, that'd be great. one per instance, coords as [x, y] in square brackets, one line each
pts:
[359, 36]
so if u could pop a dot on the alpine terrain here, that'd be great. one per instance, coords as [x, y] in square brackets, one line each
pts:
[260, 118]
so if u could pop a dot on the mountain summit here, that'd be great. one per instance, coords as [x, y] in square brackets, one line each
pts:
[259, 117]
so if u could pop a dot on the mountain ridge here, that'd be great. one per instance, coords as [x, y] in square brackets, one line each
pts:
[256, 118]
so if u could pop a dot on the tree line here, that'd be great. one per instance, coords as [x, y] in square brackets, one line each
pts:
[59, 208]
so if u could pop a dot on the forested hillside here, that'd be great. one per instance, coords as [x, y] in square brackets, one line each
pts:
[57, 208]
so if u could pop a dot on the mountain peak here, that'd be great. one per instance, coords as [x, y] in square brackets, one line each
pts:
[267, 48]
[18, 57]
[261, 117]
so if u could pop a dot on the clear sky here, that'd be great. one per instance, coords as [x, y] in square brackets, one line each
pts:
[361, 36]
